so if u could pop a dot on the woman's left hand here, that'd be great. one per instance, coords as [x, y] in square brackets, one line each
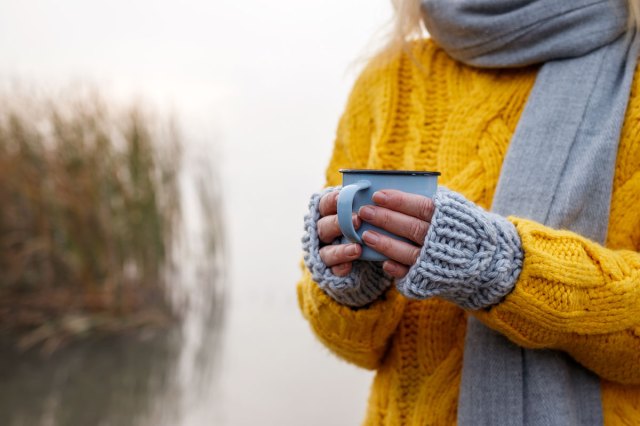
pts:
[400, 213]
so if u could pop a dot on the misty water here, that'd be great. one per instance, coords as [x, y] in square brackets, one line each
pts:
[238, 355]
[111, 381]
[241, 352]
[148, 376]
[259, 86]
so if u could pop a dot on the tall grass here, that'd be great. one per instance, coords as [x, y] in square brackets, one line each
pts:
[89, 206]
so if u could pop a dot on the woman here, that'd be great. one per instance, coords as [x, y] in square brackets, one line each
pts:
[519, 301]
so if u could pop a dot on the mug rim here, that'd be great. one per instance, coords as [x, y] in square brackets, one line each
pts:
[391, 172]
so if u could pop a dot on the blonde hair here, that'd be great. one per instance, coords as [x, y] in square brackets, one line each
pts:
[409, 25]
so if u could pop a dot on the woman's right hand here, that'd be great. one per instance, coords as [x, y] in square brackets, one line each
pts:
[338, 257]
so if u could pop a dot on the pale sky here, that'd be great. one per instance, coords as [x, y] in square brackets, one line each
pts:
[258, 86]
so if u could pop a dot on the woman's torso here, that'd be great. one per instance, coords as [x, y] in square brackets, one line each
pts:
[441, 115]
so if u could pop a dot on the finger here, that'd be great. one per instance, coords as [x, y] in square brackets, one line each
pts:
[340, 253]
[397, 223]
[395, 269]
[412, 204]
[342, 270]
[328, 204]
[399, 251]
[329, 228]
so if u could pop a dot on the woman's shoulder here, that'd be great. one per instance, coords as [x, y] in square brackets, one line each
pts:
[393, 69]
[416, 56]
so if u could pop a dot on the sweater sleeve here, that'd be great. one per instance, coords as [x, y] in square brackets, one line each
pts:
[576, 296]
[357, 335]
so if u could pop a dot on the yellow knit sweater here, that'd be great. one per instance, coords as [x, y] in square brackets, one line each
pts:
[572, 295]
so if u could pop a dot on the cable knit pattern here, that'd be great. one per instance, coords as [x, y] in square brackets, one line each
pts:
[366, 282]
[470, 256]
[572, 294]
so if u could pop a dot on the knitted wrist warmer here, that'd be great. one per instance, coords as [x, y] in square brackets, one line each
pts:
[470, 256]
[366, 282]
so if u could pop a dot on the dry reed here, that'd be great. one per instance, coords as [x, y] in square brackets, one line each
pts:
[90, 204]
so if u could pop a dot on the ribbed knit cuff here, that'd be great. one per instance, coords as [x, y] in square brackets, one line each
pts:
[366, 282]
[470, 256]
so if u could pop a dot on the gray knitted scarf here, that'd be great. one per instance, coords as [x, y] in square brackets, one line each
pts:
[558, 171]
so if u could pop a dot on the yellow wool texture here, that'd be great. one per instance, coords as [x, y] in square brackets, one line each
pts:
[573, 295]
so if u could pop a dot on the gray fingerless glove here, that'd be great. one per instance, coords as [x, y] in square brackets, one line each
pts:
[470, 256]
[366, 282]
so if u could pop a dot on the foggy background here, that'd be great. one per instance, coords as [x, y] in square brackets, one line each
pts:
[258, 87]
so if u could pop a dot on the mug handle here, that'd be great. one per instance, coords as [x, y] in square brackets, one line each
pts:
[345, 208]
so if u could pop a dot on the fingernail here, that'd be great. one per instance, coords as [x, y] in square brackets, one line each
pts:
[356, 221]
[339, 270]
[380, 197]
[389, 267]
[352, 250]
[367, 213]
[371, 238]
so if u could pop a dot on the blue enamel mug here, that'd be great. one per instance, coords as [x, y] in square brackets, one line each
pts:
[358, 186]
